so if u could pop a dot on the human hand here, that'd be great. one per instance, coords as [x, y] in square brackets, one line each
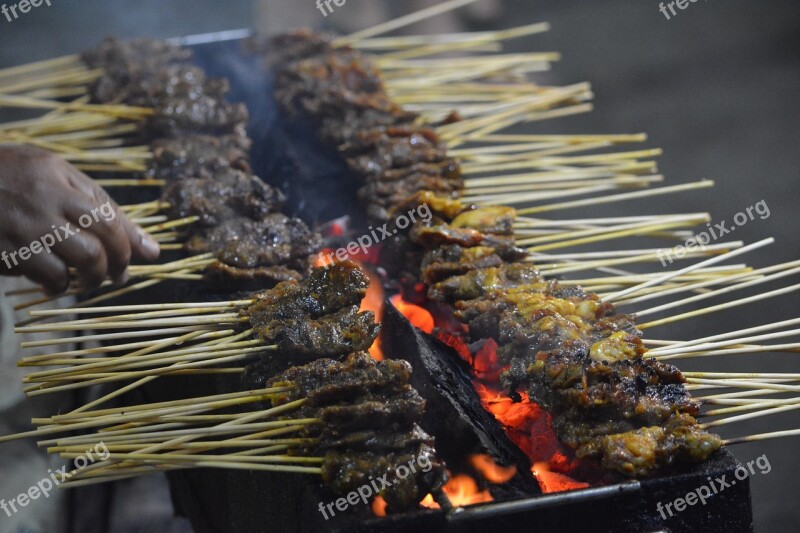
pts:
[52, 216]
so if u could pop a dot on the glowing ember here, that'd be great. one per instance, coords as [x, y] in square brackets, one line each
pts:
[415, 314]
[551, 481]
[491, 471]
[379, 505]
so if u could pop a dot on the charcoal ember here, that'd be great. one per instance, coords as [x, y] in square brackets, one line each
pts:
[274, 240]
[198, 156]
[226, 195]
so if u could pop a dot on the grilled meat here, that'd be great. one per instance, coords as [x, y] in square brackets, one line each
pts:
[340, 333]
[368, 428]
[325, 291]
[198, 156]
[275, 240]
[226, 195]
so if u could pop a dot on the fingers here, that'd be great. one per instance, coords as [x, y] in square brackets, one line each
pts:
[48, 270]
[103, 223]
[113, 227]
[143, 245]
[86, 253]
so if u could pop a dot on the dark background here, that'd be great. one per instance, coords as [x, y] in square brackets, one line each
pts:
[716, 87]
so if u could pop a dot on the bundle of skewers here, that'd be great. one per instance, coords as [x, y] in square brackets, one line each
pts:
[612, 400]
[131, 95]
[226, 220]
[348, 422]
[609, 390]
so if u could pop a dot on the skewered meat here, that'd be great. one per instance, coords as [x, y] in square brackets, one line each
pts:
[574, 354]
[647, 451]
[198, 156]
[369, 426]
[478, 283]
[190, 111]
[326, 290]
[293, 46]
[340, 333]
[228, 194]
[274, 240]
[226, 277]
[453, 260]
[126, 63]
[345, 472]
[326, 381]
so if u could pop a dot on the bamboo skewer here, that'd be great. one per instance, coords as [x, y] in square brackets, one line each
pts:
[707, 262]
[719, 307]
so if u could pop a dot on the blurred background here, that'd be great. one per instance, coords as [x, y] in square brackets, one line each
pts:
[716, 87]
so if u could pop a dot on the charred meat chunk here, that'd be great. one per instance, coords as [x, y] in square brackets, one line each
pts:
[226, 195]
[340, 333]
[345, 472]
[198, 156]
[274, 240]
[326, 290]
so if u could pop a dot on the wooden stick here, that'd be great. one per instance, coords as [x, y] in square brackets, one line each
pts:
[763, 436]
[672, 350]
[143, 381]
[717, 292]
[740, 332]
[704, 284]
[708, 262]
[401, 22]
[750, 416]
[617, 197]
[715, 308]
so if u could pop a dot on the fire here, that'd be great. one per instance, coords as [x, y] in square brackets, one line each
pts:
[550, 481]
[491, 471]
[462, 490]
[379, 506]
[419, 316]
[323, 258]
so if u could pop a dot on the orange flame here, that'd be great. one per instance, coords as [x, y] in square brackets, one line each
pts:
[551, 481]
[415, 314]
[379, 506]
[462, 490]
[323, 258]
[491, 471]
